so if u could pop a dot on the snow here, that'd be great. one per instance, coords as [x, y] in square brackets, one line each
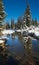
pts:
[31, 31]
[18, 30]
[8, 31]
[2, 41]
[35, 31]
[4, 37]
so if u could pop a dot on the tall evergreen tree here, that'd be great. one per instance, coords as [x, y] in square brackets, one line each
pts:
[33, 23]
[19, 23]
[27, 15]
[7, 25]
[12, 24]
[2, 16]
[36, 22]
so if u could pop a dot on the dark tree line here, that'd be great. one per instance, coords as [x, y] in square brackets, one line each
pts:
[34, 22]
[10, 26]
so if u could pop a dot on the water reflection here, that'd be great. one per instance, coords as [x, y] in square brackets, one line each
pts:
[16, 46]
[35, 48]
[35, 45]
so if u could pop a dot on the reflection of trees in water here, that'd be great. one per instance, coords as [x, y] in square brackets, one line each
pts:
[3, 56]
[29, 47]
[6, 59]
[27, 58]
[20, 36]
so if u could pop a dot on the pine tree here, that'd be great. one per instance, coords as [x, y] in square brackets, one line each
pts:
[36, 22]
[7, 25]
[2, 16]
[33, 23]
[12, 24]
[19, 23]
[28, 16]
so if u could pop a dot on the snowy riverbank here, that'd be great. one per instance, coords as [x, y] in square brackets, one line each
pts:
[34, 31]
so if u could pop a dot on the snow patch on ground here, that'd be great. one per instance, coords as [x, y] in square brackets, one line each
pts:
[35, 31]
[2, 41]
[8, 31]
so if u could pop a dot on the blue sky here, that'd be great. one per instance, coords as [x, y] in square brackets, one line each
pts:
[16, 8]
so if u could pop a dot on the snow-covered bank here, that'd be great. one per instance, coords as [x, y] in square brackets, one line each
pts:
[35, 31]
[8, 31]
[30, 30]
[2, 41]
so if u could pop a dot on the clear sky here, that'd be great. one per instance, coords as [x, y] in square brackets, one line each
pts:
[16, 8]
